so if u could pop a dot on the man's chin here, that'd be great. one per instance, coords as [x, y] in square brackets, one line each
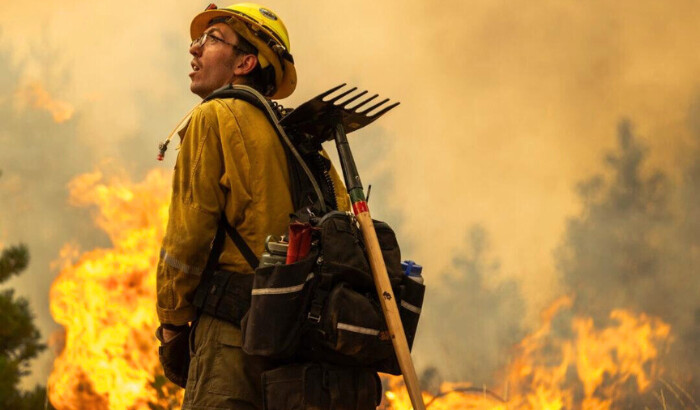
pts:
[198, 90]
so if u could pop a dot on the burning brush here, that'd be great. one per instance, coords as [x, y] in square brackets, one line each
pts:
[104, 299]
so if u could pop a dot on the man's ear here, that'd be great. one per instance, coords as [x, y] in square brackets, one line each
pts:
[244, 64]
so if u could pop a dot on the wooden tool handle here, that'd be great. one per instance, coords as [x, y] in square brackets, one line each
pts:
[376, 261]
[391, 310]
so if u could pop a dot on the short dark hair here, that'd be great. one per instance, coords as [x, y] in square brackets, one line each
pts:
[261, 79]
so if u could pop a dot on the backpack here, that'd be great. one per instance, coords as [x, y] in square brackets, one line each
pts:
[323, 307]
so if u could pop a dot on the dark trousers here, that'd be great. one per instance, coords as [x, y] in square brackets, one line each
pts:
[221, 375]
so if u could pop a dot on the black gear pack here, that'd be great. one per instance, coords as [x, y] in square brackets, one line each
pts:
[323, 308]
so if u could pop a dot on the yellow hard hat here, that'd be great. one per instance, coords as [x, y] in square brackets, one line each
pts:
[263, 29]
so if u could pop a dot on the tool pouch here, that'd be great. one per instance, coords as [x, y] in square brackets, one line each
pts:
[352, 331]
[175, 357]
[280, 296]
[325, 307]
[409, 296]
[320, 386]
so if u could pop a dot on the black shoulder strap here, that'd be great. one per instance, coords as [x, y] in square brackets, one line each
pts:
[218, 246]
[239, 93]
[236, 237]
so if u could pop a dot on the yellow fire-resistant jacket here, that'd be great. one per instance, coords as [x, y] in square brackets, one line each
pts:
[231, 161]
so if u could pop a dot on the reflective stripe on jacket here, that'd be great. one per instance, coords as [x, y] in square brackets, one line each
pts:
[230, 161]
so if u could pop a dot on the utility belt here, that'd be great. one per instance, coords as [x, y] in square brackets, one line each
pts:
[224, 295]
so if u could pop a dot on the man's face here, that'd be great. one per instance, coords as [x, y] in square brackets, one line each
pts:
[213, 62]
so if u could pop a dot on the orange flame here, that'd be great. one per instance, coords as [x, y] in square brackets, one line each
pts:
[104, 298]
[587, 369]
[35, 94]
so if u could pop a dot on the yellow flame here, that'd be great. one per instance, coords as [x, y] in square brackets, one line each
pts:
[105, 300]
[597, 363]
[35, 94]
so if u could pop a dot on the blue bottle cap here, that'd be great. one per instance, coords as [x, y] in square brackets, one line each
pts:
[411, 268]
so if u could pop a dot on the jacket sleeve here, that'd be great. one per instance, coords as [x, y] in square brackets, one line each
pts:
[195, 208]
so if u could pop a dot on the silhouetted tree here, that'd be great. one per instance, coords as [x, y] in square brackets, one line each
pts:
[478, 320]
[611, 255]
[19, 338]
[635, 246]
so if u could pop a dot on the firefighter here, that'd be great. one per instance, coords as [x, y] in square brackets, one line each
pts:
[231, 167]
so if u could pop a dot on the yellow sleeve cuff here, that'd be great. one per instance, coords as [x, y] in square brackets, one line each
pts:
[177, 317]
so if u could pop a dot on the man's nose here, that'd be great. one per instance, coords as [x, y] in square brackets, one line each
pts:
[196, 50]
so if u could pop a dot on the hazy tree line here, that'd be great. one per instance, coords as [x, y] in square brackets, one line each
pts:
[635, 245]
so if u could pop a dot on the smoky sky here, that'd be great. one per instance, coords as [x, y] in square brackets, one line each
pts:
[505, 107]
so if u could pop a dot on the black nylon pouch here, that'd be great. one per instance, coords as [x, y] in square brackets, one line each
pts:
[325, 307]
[279, 304]
[344, 256]
[317, 386]
[352, 330]
[390, 251]
[344, 259]
[410, 296]
[410, 306]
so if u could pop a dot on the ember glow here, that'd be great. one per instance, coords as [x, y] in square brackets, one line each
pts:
[105, 300]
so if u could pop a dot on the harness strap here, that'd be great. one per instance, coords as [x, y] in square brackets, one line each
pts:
[237, 239]
[215, 290]
[250, 95]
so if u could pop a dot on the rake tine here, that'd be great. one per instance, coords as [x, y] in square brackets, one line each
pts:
[384, 110]
[341, 95]
[351, 99]
[347, 109]
[364, 102]
[331, 91]
[373, 107]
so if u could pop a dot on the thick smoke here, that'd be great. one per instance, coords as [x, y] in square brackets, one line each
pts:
[635, 246]
[503, 109]
[38, 157]
[472, 318]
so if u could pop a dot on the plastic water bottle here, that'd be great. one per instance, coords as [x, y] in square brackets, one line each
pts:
[413, 271]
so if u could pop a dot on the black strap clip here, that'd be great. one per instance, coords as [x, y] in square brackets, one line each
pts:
[316, 309]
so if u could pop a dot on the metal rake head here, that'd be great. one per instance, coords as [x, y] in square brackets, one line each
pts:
[319, 115]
